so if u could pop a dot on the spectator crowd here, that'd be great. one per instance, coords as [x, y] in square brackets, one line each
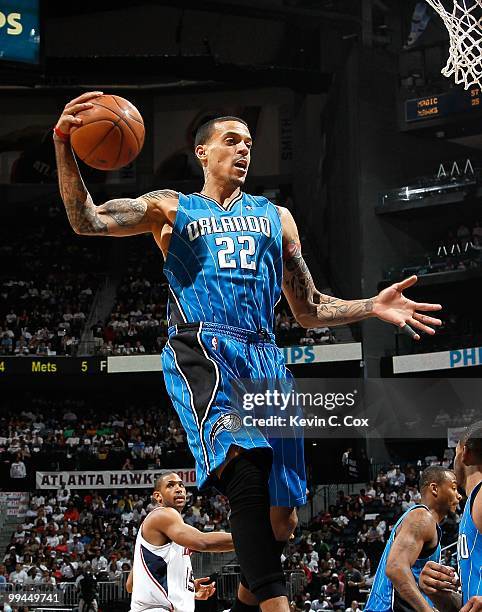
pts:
[104, 433]
[65, 533]
[44, 304]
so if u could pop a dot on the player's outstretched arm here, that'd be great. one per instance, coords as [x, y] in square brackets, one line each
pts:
[119, 217]
[312, 308]
[416, 531]
[170, 523]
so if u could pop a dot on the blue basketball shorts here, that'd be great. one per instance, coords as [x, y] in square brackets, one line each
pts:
[201, 364]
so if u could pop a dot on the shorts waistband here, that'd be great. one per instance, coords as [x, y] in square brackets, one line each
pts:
[262, 335]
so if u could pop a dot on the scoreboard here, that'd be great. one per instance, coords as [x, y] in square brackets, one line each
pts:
[20, 31]
[49, 367]
[444, 105]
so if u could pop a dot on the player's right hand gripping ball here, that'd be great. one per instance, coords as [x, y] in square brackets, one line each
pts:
[111, 135]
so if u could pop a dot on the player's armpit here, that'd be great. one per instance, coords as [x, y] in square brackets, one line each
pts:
[310, 307]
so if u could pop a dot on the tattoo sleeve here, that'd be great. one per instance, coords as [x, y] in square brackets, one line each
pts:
[78, 203]
[317, 308]
[161, 194]
[117, 216]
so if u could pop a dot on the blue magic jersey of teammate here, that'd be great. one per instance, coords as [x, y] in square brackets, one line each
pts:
[225, 265]
[469, 551]
[383, 596]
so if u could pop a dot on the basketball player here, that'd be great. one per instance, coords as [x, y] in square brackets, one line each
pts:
[161, 577]
[414, 540]
[227, 257]
[440, 582]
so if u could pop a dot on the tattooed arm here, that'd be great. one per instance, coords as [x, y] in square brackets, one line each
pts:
[119, 217]
[417, 531]
[312, 308]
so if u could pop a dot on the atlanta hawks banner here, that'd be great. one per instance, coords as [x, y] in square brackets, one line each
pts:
[135, 479]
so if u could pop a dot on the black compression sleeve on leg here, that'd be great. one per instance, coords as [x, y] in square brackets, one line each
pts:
[280, 546]
[245, 483]
[243, 581]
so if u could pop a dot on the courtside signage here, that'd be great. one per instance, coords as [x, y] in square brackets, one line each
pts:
[293, 355]
[322, 353]
[445, 360]
[48, 367]
[134, 479]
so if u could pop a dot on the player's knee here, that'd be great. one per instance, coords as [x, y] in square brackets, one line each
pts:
[245, 483]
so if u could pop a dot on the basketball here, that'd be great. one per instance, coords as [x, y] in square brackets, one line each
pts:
[111, 135]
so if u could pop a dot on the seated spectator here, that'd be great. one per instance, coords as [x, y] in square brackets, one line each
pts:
[19, 575]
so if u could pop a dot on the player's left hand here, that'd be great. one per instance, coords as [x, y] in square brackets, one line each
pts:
[392, 306]
[473, 605]
[203, 591]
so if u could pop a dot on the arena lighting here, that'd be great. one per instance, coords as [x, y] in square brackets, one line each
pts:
[449, 185]
[454, 177]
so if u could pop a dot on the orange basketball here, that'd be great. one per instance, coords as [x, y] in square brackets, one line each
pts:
[111, 134]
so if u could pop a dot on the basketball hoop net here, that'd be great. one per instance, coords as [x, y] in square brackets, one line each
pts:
[464, 24]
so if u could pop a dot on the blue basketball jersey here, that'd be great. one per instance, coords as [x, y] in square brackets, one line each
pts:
[224, 268]
[383, 596]
[469, 551]
[225, 265]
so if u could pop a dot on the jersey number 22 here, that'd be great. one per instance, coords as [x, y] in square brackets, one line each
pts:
[245, 254]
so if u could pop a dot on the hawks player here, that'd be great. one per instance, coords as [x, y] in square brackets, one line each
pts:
[162, 578]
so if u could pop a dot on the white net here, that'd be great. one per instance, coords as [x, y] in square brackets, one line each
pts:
[463, 20]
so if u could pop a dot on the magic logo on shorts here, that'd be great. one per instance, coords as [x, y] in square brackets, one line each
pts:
[227, 422]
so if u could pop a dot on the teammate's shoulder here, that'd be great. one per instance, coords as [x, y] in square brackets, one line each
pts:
[476, 503]
[420, 516]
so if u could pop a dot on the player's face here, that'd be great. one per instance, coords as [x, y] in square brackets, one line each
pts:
[172, 493]
[449, 494]
[228, 152]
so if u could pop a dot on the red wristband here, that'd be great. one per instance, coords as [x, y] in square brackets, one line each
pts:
[62, 135]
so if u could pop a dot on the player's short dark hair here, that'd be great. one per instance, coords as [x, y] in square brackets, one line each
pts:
[205, 131]
[160, 479]
[472, 439]
[434, 473]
